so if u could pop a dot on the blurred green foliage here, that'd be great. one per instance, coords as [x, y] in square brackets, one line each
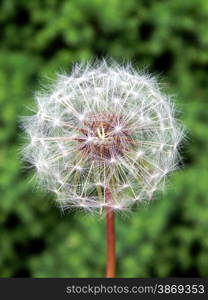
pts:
[42, 37]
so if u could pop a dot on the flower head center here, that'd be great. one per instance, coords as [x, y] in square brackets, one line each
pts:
[105, 137]
[101, 133]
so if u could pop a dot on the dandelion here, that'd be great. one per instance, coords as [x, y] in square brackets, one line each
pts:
[105, 136]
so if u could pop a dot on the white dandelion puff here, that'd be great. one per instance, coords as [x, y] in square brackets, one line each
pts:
[105, 125]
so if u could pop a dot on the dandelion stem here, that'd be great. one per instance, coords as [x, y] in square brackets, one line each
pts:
[110, 236]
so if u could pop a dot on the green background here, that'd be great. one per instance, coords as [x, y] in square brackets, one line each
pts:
[42, 37]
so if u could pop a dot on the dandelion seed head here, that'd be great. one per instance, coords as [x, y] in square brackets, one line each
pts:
[118, 128]
[103, 125]
[139, 154]
[81, 117]
[78, 168]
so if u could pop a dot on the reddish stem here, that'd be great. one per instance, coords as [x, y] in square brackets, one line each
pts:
[110, 236]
